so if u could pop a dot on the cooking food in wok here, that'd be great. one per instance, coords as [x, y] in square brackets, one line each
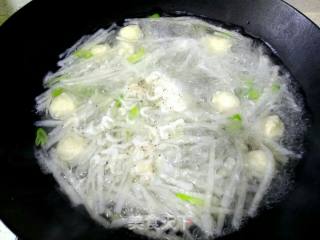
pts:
[170, 126]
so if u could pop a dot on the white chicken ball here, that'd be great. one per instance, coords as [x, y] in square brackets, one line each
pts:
[131, 33]
[62, 106]
[273, 127]
[216, 44]
[99, 49]
[125, 48]
[70, 147]
[225, 102]
[144, 169]
[257, 162]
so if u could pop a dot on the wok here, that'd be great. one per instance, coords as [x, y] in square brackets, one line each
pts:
[30, 42]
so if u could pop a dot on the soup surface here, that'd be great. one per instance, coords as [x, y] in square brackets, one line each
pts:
[171, 127]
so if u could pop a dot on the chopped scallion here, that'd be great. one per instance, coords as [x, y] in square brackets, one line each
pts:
[275, 87]
[190, 199]
[56, 92]
[137, 56]
[253, 94]
[134, 112]
[118, 103]
[41, 137]
[235, 123]
[83, 53]
[236, 117]
[155, 15]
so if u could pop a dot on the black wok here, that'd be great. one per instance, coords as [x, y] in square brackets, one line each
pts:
[30, 42]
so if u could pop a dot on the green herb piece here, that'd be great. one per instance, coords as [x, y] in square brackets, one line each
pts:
[41, 137]
[137, 56]
[249, 91]
[56, 92]
[155, 15]
[134, 112]
[275, 87]
[236, 117]
[235, 123]
[192, 200]
[253, 94]
[83, 53]
[118, 103]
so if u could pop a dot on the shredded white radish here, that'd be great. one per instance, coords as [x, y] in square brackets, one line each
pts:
[149, 127]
